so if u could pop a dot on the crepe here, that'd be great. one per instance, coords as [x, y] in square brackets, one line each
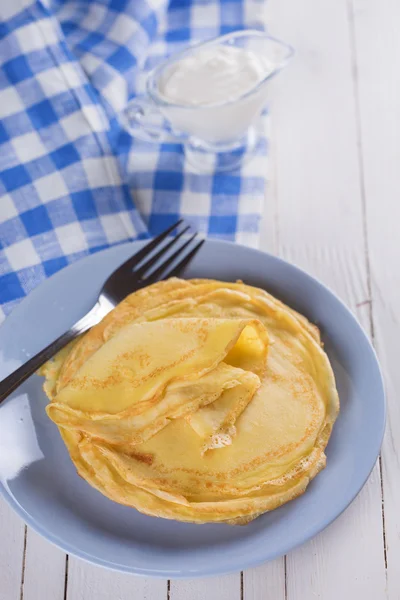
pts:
[199, 401]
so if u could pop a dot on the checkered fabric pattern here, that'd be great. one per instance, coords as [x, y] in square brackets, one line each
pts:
[72, 180]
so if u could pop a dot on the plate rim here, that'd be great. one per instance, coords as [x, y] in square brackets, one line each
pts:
[244, 563]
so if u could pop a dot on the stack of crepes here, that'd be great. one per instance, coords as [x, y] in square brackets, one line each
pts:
[198, 400]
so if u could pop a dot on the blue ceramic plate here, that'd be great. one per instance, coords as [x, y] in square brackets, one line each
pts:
[39, 481]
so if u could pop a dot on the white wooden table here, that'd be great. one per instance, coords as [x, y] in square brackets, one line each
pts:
[333, 207]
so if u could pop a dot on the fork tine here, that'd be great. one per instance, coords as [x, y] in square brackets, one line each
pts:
[179, 267]
[140, 272]
[185, 261]
[158, 273]
[136, 258]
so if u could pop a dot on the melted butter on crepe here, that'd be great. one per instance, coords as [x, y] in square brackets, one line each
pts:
[196, 400]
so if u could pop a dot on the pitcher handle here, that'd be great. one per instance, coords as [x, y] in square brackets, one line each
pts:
[138, 119]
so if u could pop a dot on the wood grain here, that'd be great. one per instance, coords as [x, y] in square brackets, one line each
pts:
[377, 44]
[44, 569]
[12, 536]
[87, 582]
[227, 587]
[266, 582]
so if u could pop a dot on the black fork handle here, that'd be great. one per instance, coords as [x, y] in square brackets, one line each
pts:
[15, 379]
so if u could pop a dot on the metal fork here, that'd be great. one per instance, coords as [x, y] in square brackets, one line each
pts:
[133, 274]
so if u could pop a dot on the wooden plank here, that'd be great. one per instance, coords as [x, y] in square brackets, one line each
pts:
[12, 536]
[45, 567]
[266, 582]
[320, 221]
[376, 44]
[87, 582]
[226, 587]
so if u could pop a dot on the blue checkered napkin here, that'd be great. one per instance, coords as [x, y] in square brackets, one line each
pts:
[72, 182]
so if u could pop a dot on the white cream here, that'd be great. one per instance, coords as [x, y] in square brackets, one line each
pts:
[215, 93]
[212, 75]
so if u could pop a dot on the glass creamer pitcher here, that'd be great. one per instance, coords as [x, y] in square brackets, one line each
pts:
[216, 137]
